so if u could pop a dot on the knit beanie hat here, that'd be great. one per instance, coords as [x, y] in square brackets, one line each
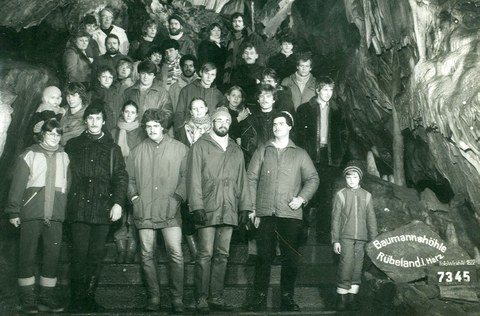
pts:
[221, 112]
[354, 166]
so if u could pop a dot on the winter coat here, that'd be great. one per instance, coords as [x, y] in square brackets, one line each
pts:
[77, 66]
[99, 179]
[72, 124]
[39, 186]
[186, 46]
[276, 177]
[283, 65]
[307, 131]
[353, 216]
[284, 101]
[256, 130]
[134, 137]
[105, 60]
[208, 51]
[217, 181]
[157, 174]
[99, 36]
[212, 97]
[156, 97]
[297, 96]
[247, 77]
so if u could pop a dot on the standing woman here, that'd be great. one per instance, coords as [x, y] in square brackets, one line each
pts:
[235, 103]
[127, 134]
[212, 50]
[140, 48]
[36, 204]
[106, 89]
[89, 24]
[77, 65]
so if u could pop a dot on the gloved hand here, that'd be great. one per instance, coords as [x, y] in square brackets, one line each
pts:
[243, 218]
[200, 217]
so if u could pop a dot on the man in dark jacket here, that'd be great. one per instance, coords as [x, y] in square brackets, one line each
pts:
[110, 58]
[217, 189]
[322, 131]
[95, 200]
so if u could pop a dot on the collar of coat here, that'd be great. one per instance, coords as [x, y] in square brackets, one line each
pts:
[290, 144]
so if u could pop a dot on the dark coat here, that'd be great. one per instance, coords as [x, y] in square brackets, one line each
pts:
[77, 66]
[99, 179]
[283, 65]
[208, 51]
[247, 77]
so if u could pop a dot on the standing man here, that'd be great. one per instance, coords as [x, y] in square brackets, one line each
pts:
[175, 31]
[301, 82]
[171, 70]
[282, 179]
[107, 28]
[156, 169]
[110, 58]
[217, 189]
[322, 131]
[96, 197]
[188, 64]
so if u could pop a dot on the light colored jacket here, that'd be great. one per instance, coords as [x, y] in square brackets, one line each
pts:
[297, 96]
[99, 36]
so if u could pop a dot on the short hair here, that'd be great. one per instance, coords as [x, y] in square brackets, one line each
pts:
[130, 102]
[109, 9]
[157, 115]
[207, 67]
[269, 72]
[237, 15]
[197, 99]
[266, 88]
[323, 81]
[188, 57]
[287, 38]
[303, 57]
[96, 107]
[112, 36]
[48, 126]
[170, 43]
[155, 50]
[287, 115]
[88, 19]
[105, 68]
[148, 23]
[76, 87]
[146, 66]
[125, 61]
[248, 45]
[212, 26]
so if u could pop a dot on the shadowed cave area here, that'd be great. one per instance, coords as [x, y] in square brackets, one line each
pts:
[406, 77]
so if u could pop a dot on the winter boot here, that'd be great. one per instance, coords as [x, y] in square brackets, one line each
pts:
[121, 250]
[92, 305]
[131, 251]
[192, 246]
[28, 300]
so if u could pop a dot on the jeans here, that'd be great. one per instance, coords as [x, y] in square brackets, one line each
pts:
[351, 263]
[88, 246]
[287, 230]
[173, 245]
[211, 261]
[30, 234]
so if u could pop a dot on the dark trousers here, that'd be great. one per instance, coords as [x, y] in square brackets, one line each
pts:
[30, 234]
[287, 230]
[88, 249]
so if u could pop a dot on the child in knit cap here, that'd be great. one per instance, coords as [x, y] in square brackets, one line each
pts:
[353, 224]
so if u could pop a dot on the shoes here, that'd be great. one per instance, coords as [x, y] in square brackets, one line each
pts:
[153, 304]
[48, 301]
[259, 302]
[28, 299]
[288, 304]
[342, 300]
[352, 302]
[201, 306]
[219, 304]
[177, 306]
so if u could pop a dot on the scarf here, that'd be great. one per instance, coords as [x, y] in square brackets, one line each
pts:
[196, 127]
[50, 149]
[176, 37]
[123, 128]
[302, 81]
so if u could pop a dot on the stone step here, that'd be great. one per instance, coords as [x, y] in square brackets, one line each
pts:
[191, 312]
[311, 254]
[237, 274]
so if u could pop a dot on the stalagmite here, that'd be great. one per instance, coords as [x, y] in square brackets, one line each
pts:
[477, 256]
[371, 165]
[451, 235]
[6, 99]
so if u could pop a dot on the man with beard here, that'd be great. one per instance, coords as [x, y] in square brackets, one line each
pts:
[175, 31]
[217, 189]
[301, 82]
[188, 63]
[110, 58]
[107, 28]
[201, 88]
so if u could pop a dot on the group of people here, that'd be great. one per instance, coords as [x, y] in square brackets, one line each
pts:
[165, 141]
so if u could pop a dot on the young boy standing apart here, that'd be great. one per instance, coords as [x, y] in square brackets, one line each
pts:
[353, 224]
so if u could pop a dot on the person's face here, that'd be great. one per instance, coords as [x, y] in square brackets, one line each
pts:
[199, 109]
[234, 98]
[106, 79]
[156, 58]
[265, 99]
[151, 31]
[238, 24]
[154, 131]
[112, 46]
[146, 79]
[281, 128]
[208, 77]
[304, 67]
[171, 54]
[94, 123]
[250, 56]
[216, 32]
[124, 70]
[188, 68]
[325, 94]
[269, 80]
[287, 47]
[130, 114]
[82, 42]
[174, 27]
[74, 100]
[106, 19]
[353, 180]
[221, 126]
[90, 28]
[54, 98]
[51, 138]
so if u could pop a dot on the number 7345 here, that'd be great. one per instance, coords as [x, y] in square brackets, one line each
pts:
[448, 276]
